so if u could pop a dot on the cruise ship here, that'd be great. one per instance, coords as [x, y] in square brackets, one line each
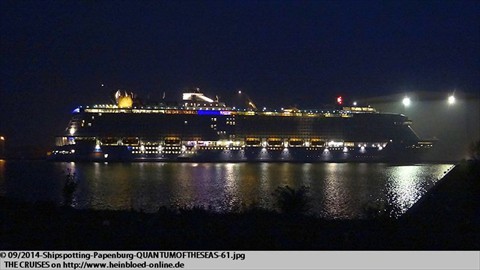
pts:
[202, 129]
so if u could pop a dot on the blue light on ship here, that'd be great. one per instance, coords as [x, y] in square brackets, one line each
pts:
[206, 112]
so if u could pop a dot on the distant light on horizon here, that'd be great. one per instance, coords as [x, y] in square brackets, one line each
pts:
[451, 100]
[239, 91]
[406, 101]
[354, 103]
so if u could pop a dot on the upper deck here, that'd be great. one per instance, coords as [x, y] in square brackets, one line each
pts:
[210, 109]
[196, 103]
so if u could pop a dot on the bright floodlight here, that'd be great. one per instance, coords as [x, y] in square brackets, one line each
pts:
[406, 101]
[354, 103]
[239, 91]
[451, 100]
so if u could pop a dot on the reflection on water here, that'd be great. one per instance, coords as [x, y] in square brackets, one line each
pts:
[338, 190]
[406, 184]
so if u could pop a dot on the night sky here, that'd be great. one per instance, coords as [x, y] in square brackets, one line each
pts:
[55, 55]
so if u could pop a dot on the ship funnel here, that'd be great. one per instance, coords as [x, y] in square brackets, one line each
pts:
[124, 100]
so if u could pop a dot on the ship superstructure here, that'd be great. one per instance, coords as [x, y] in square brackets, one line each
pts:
[203, 129]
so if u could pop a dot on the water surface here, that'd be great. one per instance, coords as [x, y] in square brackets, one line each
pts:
[338, 190]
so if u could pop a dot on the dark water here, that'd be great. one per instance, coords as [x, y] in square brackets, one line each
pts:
[338, 190]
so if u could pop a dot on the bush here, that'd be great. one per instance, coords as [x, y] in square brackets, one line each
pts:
[291, 201]
[69, 188]
[379, 210]
[474, 151]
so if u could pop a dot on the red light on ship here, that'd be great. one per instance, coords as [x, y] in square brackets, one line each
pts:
[339, 100]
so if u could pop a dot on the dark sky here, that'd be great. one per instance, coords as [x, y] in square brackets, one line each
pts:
[56, 54]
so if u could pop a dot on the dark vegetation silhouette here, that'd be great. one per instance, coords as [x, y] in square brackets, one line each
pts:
[69, 188]
[380, 210]
[292, 202]
[474, 151]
